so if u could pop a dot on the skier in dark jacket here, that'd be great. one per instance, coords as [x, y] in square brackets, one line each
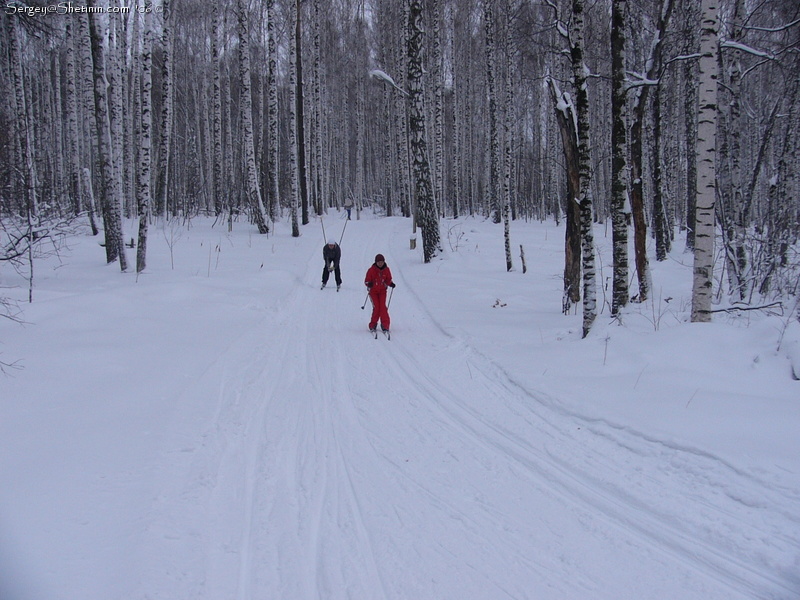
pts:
[331, 253]
[378, 279]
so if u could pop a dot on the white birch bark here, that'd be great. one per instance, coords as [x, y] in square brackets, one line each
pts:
[216, 111]
[702, 283]
[143, 192]
[579, 74]
[71, 102]
[167, 74]
[493, 186]
[115, 110]
[59, 190]
[318, 166]
[300, 115]
[246, 111]
[359, 199]
[273, 109]
[86, 96]
[110, 197]
[426, 205]
[438, 106]
[22, 121]
[295, 200]
[619, 144]
[511, 57]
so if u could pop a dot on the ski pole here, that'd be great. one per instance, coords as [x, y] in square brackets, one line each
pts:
[342, 236]
[390, 299]
[365, 301]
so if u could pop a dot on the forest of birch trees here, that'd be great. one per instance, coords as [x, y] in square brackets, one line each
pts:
[665, 120]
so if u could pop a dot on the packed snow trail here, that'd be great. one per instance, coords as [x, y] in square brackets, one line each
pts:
[333, 466]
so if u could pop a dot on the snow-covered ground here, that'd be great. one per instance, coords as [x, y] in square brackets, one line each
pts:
[224, 429]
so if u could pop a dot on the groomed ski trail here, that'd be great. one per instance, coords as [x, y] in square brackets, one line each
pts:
[336, 467]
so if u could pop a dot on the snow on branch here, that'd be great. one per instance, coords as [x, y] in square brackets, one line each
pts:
[564, 103]
[386, 78]
[639, 80]
[745, 48]
[773, 29]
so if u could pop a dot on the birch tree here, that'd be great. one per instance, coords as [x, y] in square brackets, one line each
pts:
[703, 280]
[639, 113]
[167, 70]
[73, 138]
[23, 124]
[565, 117]
[112, 203]
[216, 109]
[272, 116]
[143, 192]
[295, 200]
[246, 110]
[300, 114]
[428, 217]
[584, 200]
[438, 108]
[619, 145]
[510, 60]
[491, 91]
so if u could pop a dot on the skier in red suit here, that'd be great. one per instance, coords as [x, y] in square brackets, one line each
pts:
[378, 278]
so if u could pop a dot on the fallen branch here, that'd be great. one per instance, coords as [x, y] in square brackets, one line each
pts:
[766, 306]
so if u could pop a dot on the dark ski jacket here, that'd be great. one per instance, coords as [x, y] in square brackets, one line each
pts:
[331, 255]
[378, 278]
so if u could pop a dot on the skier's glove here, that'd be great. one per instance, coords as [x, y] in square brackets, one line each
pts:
[369, 285]
[392, 285]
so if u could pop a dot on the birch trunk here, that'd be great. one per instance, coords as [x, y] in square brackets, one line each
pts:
[216, 102]
[730, 172]
[423, 190]
[706, 165]
[318, 165]
[143, 192]
[110, 199]
[301, 136]
[690, 133]
[272, 117]
[619, 149]
[115, 111]
[438, 108]
[359, 199]
[295, 200]
[510, 55]
[494, 134]
[653, 64]
[579, 74]
[661, 227]
[565, 117]
[24, 128]
[246, 111]
[164, 152]
[73, 139]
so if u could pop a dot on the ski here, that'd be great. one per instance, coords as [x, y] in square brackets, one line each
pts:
[374, 333]
[388, 334]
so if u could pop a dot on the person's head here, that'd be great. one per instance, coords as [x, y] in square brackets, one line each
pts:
[379, 259]
[331, 242]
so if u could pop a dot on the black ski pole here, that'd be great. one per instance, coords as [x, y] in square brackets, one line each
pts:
[390, 299]
[365, 301]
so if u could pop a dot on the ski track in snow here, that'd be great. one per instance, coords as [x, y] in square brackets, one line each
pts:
[299, 488]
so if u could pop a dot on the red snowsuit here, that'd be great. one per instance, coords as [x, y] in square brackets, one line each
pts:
[377, 280]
